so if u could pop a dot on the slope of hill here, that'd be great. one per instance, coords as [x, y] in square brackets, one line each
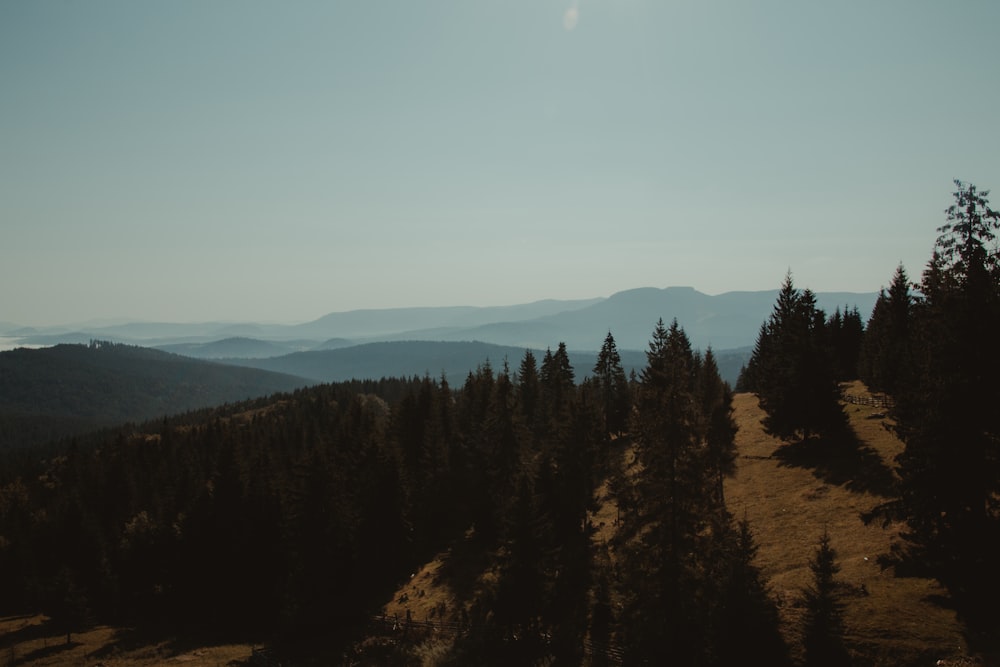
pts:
[56, 391]
[791, 496]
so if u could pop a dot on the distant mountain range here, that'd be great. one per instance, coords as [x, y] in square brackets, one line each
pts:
[67, 388]
[724, 321]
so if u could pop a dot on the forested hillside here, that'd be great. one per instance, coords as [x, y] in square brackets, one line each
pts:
[53, 392]
[611, 518]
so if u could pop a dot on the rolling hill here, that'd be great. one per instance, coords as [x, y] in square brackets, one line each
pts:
[65, 389]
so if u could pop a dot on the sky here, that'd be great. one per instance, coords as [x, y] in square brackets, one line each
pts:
[276, 161]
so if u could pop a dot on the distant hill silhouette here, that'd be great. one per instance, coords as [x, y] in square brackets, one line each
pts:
[452, 358]
[728, 321]
[56, 391]
[725, 321]
[246, 348]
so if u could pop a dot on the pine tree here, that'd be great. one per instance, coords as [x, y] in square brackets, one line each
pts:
[720, 428]
[846, 332]
[886, 352]
[667, 531]
[823, 628]
[745, 623]
[947, 414]
[556, 381]
[528, 390]
[612, 386]
[792, 370]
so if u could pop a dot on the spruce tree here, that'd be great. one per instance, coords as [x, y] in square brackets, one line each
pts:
[745, 621]
[720, 429]
[612, 386]
[792, 369]
[946, 413]
[823, 628]
[528, 390]
[668, 540]
[886, 352]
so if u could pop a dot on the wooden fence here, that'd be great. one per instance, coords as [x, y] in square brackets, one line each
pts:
[871, 400]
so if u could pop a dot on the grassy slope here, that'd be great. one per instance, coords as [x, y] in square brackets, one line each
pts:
[31, 640]
[792, 497]
[791, 494]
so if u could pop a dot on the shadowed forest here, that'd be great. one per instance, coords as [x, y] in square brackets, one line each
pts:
[586, 520]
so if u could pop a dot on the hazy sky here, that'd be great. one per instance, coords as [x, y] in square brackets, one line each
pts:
[276, 161]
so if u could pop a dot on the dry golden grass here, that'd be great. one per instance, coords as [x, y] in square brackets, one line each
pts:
[791, 497]
[32, 641]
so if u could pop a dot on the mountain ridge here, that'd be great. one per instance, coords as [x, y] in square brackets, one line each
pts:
[724, 321]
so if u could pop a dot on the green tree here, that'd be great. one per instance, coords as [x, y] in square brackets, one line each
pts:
[745, 620]
[667, 534]
[946, 413]
[823, 627]
[720, 429]
[886, 356]
[846, 335]
[528, 390]
[557, 383]
[792, 370]
[612, 385]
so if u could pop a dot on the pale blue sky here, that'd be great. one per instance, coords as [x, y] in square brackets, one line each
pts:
[275, 161]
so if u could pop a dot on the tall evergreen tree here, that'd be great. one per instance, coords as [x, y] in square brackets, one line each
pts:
[720, 429]
[528, 390]
[947, 413]
[792, 369]
[556, 381]
[846, 332]
[667, 529]
[745, 620]
[823, 628]
[612, 386]
[886, 352]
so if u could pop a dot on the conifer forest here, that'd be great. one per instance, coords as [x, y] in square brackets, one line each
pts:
[289, 521]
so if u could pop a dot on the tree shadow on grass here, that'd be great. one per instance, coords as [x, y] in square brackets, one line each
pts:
[463, 566]
[157, 639]
[28, 632]
[842, 460]
[973, 588]
[46, 652]
[53, 635]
